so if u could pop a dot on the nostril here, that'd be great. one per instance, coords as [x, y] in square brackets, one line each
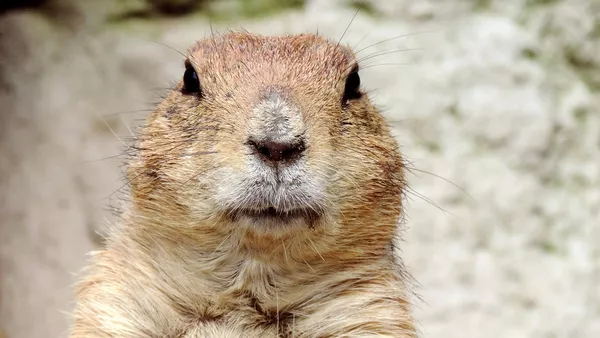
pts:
[264, 151]
[277, 151]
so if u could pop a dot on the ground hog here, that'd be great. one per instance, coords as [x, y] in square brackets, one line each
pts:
[265, 198]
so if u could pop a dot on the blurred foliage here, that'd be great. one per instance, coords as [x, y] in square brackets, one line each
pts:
[14, 4]
[482, 5]
[222, 10]
[539, 2]
[174, 7]
[364, 7]
[258, 8]
[63, 13]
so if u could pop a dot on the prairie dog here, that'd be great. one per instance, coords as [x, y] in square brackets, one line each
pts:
[265, 198]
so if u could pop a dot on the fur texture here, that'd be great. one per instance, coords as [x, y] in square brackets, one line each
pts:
[190, 259]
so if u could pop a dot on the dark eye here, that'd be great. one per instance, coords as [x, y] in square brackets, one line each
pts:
[352, 89]
[191, 82]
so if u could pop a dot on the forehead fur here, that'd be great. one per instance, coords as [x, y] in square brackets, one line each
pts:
[292, 56]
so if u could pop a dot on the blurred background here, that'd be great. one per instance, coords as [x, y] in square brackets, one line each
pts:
[495, 105]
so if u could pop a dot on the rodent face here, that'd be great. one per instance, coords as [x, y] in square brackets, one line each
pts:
[271, 134]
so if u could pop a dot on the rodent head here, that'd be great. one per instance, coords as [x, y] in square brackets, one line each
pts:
[272, 135]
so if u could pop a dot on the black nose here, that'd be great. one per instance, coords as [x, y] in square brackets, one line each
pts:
[278, 151]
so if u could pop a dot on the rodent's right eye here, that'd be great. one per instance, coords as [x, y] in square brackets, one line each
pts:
[191, 82]
[352, 88]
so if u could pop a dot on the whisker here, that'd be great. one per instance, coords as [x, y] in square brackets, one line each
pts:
[310, 267]
[222, 242]
[314, 246]
[112, 130]
[284, 251]
[411, 169]
[130, 112]
[127, 126]
[349, 24]
[409, 189]
[171, 48]
[394, 38]
[388, 64]
[377, 54]
[359, 41]
[117, 156]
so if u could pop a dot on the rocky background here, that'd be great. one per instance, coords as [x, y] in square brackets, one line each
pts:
[495, 104]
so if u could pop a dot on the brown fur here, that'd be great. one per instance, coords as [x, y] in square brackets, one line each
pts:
[178, 266]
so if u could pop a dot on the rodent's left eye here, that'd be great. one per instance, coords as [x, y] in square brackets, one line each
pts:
[352, 88]
[191, 82]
